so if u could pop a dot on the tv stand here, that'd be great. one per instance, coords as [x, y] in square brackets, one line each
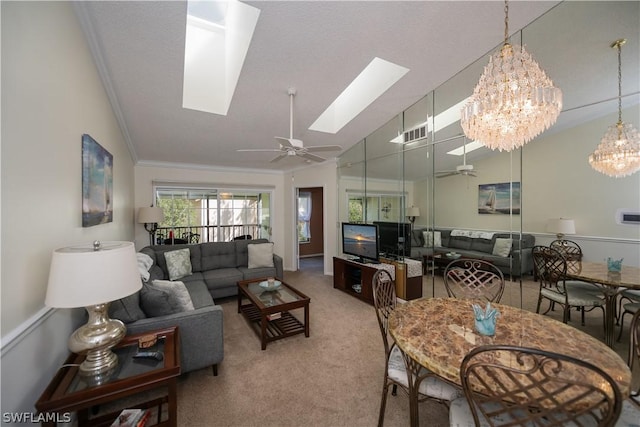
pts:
[355, 278]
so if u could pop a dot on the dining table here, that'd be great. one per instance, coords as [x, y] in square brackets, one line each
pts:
[611, 284]
[439, 332]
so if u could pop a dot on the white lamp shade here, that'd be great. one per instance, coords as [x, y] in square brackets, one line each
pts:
[81, 276]
[561, 226]
[413, 211]
[151, 214]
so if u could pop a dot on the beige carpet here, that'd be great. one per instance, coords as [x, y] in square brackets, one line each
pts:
[332, 378]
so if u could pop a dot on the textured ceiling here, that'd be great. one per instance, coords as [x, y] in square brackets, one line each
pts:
[317, 47]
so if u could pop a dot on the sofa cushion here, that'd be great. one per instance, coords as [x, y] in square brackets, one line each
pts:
[178, 290]
[260, 255]
[127, 309]
[222, 277]
[200, 296]
[178, 263]
[217, 255]
[482, 245]
[156, 302]
[417, 239]
[460, 242]
[432, 238]
[502, 247]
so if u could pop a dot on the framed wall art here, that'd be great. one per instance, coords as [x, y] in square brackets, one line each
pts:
[501, 198]
[97, 183]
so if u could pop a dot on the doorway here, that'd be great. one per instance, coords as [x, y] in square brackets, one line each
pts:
[310, 227]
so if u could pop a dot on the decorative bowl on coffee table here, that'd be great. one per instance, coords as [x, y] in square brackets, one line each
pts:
[267, 286]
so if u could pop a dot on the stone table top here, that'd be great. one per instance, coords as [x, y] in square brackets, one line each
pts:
[598, 272]
[439, 332]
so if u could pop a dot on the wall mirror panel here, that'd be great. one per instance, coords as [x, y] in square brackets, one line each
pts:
[549, 177]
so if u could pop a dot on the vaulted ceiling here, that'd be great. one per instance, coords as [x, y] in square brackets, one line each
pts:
[318, 47]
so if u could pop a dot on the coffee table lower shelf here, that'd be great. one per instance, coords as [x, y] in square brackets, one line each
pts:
[276, 329]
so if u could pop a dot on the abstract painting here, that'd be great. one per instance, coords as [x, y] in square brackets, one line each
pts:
[97, 183]
[502, 198]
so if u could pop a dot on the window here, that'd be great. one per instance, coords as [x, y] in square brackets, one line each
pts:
[304, 217]
[381, 207]
[212, 215]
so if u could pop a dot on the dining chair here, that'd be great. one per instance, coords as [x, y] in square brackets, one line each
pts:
[571, 251]
[630, 414]
[631, 308]
[474, 279]
[630, 295]
[399, 367]
[509, 385]
[551, 269]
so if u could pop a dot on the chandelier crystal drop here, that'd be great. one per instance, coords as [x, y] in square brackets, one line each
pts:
[618, 153]
[513, 102]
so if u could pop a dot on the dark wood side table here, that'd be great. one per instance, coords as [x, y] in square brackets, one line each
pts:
[70, 392]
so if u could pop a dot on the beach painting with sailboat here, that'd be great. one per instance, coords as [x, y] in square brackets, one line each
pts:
[502, 198]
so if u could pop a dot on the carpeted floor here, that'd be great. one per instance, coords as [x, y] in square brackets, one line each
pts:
[332, 378]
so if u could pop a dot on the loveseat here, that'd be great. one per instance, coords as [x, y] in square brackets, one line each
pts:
[511, 253]
[214, 268]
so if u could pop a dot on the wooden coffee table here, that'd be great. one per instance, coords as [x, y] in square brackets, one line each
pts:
[268, 312]
[439, 259]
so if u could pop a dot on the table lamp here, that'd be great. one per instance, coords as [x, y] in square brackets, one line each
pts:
[92, 276]
[150, 217]
[412, 213]
[561, 226]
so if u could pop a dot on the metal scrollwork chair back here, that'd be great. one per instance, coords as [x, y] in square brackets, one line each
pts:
[551, 270]
[400, 369]
[572, 253]
[474, 279]
[508, 385]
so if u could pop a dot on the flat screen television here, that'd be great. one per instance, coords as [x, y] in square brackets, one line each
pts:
[394, 238]
[360, 240]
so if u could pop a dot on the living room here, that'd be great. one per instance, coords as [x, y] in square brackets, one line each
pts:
[53, 94]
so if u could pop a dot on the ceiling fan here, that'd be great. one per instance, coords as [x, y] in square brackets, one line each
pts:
[463, 169]
[295, 147]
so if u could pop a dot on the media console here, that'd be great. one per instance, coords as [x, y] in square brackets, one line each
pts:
[355, 278]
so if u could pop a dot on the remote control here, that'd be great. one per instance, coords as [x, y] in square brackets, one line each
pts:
[149, 355]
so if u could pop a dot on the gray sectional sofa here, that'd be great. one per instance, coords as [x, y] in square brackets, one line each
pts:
[514, 261]
[215, 269]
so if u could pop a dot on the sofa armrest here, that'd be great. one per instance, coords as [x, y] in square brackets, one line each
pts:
[277, 263]
[522, 261]
[201, 339]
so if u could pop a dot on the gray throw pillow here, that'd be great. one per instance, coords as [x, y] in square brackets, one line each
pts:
[156, 303]
[127, 309]
[178, 263]
[260, 255]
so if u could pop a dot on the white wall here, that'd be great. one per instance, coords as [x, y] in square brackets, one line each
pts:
[320, 175]
[51, 95]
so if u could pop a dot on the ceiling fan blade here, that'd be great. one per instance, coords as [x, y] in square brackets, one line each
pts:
[445, 174]
[258, 149]
[324, 148]
[280, 157]
[312, 157]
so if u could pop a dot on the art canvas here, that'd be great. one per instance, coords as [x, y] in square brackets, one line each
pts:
[501, 198]
[97, 183]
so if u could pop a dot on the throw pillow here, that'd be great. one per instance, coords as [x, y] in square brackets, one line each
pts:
[178, 290]
[178, 263]
[432, 239]
[260, 255]
[502, 247]
[144, 264]
[156, 303]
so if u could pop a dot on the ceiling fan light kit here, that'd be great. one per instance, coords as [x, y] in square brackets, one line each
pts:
[291, 147]
[513, 102]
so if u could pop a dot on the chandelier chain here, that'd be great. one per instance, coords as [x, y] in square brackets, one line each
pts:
[619, 46]
[506, 21]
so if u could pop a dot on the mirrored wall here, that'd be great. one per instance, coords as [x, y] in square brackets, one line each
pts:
[455, 184]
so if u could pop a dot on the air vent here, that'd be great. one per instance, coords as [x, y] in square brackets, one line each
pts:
[627, 216]
[415, 134]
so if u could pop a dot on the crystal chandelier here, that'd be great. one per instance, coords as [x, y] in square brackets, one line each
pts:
[618, 153]
[513, 102]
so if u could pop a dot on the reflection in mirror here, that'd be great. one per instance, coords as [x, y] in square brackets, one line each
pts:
[547, 179]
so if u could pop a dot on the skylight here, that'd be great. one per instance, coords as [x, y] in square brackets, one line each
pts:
[218, 36]
[372, 82]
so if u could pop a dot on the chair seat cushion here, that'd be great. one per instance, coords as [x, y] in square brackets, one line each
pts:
[430, 386]
[577, 298]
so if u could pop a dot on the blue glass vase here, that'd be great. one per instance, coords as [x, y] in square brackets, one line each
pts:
[615, 266]
[485, 320]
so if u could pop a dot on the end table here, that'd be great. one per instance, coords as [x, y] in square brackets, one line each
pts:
[70, 392]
